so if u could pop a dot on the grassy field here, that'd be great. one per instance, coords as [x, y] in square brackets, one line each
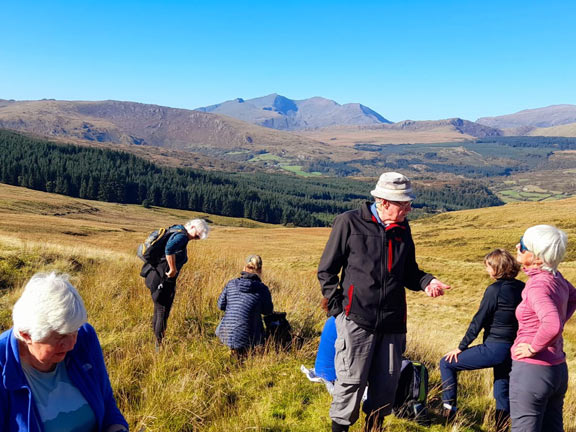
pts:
[284, 163]
[536, 186]
[193, 384]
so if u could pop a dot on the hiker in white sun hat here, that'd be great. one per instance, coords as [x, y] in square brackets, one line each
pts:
[393, 186]
[367, 263]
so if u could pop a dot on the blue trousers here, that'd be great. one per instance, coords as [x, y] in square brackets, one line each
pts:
[494, 355]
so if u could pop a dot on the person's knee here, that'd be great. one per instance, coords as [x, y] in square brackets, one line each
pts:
[444, 364]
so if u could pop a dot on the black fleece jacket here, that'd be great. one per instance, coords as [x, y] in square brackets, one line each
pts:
[364, 269]
[496, 314]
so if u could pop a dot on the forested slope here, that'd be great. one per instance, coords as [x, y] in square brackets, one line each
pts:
[114, 176]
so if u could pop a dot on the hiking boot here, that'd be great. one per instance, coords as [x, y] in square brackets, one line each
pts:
[337, 427]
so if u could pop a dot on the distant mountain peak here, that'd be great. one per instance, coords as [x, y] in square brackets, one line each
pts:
[279, 112]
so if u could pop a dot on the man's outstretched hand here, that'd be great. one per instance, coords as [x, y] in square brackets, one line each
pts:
[436, 288]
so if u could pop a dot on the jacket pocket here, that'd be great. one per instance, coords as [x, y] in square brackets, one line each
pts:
[340, 362]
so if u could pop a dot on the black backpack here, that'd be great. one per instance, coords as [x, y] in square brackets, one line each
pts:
[278, 329]
[412, 392]
[152, 250]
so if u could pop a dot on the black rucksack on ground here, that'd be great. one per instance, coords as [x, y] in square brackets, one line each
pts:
[152, 250]
[278, 329]
[412, 392]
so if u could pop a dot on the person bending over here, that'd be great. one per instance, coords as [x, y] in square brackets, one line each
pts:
[161, 278]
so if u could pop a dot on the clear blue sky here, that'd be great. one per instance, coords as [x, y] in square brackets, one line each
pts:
[405, 59]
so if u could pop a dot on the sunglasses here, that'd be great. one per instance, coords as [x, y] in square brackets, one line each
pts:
[523, 247]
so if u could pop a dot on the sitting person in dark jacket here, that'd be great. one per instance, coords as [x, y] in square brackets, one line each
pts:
[243, 301]
[496, 315]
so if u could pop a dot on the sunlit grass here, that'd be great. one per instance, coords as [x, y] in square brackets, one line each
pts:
[193, 383]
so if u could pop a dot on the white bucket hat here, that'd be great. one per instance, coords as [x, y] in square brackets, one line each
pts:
[393, 186]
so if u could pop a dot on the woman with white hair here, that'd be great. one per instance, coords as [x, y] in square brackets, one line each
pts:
[539, 377]
[53, 376]
[161, 274]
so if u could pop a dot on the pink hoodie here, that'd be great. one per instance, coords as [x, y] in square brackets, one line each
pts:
[548, 301]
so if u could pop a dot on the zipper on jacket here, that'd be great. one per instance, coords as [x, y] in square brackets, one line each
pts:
[390, 256]
[382, 290]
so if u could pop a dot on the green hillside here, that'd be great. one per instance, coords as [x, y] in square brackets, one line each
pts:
[114, 176]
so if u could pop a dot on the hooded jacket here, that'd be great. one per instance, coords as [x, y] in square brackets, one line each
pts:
[86, 369]
[244, 300]
[365, 268]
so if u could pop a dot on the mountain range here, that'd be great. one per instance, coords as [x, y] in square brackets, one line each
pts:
[317, 113]
[141, 124]
[279, 112]
[268, 132]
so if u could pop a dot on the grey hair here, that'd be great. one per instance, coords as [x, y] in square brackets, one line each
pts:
[547, 243]
[49, 303]
[201, 226]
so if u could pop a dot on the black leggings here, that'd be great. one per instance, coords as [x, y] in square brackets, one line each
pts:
[163, 291]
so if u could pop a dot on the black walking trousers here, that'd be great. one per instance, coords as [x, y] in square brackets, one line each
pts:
[163, 290]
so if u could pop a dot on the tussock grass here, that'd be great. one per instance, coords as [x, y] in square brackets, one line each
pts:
[193, 384]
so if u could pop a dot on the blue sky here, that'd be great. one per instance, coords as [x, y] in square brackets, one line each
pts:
[405, 59]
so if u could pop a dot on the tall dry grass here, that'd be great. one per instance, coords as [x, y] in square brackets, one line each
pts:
[193, 384]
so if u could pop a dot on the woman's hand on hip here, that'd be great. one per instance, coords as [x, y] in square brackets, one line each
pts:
[524, 350]
[452, 356]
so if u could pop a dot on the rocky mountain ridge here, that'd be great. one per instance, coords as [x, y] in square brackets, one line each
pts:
[142, 124]
[279, 112]
[523, 121]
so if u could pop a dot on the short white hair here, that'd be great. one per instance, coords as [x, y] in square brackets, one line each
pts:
[547, 243]
[48, 304]
[202, 228]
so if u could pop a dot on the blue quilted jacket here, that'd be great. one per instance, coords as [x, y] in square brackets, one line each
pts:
[244, 300]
